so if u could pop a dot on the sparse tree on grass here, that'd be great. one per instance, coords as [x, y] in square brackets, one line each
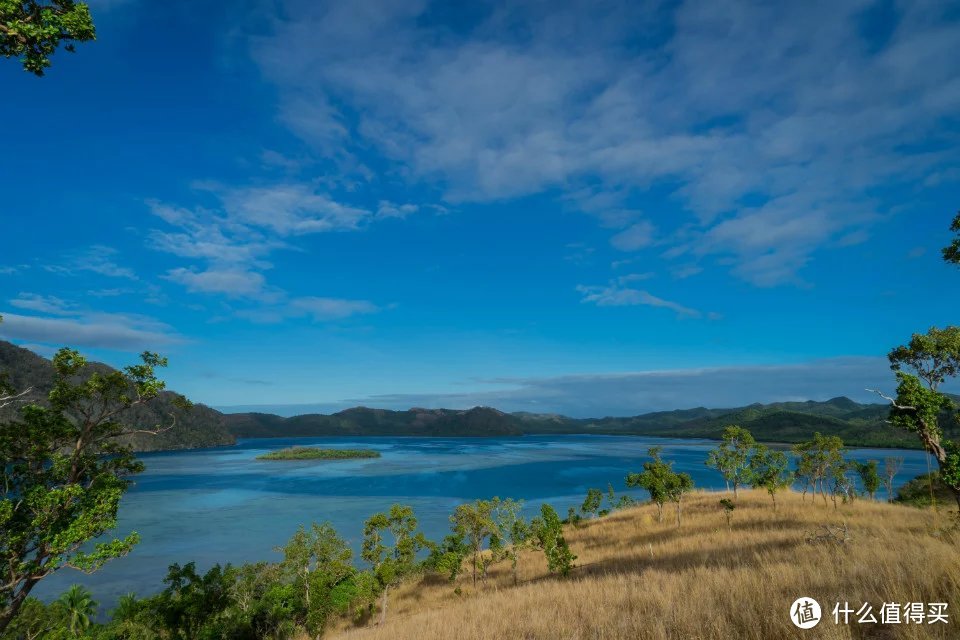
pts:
[869, 477]
[391, 564]
[318, 560]
[653, 478]
[731, 457]
[476, 521]
[891, 467]
[591, 504]
[547, 532]
[728, 508]
[820, 458]
[677, 486]
[513, 533]
[769, 470]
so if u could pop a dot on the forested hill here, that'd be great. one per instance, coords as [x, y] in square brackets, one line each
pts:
[197, 427]
[858, 424]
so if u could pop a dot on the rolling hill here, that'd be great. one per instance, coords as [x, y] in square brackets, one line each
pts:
[197, 427]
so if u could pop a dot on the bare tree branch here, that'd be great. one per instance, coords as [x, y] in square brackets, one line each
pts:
[8, 399]
[893, 401]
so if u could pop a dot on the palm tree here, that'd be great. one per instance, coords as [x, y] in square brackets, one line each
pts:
[79, 606]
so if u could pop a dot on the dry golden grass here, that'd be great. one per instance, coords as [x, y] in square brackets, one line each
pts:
[639, 579]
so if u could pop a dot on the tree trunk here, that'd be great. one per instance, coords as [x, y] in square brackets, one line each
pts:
[735, 484]
[679, 509]
[383, 606]
[474, 569]
[659, 512]
[13, 607]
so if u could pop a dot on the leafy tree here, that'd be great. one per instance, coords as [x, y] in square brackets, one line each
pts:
[653, 478]
[319, 561]
[869, 477]
[80, 608]
[678, 485]
[841, 486]
[37, 621]
[447, 557]
[391, 564]
[31, 30]
[513, 531]
[891, 467]
[820, 458]
[65, 472]
[591, 504]
[951, 253]
[476, 521]
[547, 533]
[933, 357]
[193, 604]
[770, 470]
[728, 508]
[731, 457]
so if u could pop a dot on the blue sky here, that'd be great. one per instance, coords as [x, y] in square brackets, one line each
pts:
[586, 207]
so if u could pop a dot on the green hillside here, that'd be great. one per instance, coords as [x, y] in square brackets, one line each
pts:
[199, 426]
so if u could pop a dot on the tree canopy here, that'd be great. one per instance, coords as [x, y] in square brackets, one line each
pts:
[32, 30]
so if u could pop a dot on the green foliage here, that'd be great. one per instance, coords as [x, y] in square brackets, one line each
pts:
[547, 533]
[591, 504]
[924, 491]
[391, 564]
[513, 533]
[65, 472]
[869, 473]
[661, 482]
[820, 463]
[475, 521]
[934, 355]
[731, 457]
[951, 253]
[447, 557]
[770, 470]
[79, 607]
[728, 506]
[31, 30]
[313, 453]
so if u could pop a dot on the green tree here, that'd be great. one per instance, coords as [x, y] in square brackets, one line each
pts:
[770, 470]
[513, 531]
[820, 458]
[591, 504]
[728, 508]
[731, 457]
[391, 564]
[951, 253]
[891, 467]
[653, 478]
[475, 520]
[79, 607]
[678, 485]
[547, 533]
[869, 477]
[318, 560]
[65, 471]
[31, 30]
[932, 357]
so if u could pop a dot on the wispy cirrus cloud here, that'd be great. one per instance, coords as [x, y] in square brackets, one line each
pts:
[617, 294]
[81, 328]
[769, 125]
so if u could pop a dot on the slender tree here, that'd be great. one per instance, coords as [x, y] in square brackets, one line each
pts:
[677, 486]
[891, 467]
[731, 457]
[770, 470]
[391, 564]
[653, 478]
[475, 520]
[591, 504]
[547, 533]
[869, 477]
[513, 532]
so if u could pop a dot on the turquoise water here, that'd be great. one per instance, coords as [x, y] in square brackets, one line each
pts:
[222, 505]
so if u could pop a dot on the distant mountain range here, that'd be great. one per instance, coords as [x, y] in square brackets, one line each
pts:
[858, 424]
[197, 427]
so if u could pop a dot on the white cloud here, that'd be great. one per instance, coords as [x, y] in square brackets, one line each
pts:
[232, 282]
[43, 304]
[734, 102]
[635, 237]
[615, 295]
[98, 330]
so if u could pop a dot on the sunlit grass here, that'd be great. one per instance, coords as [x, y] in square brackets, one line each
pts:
[637, 578]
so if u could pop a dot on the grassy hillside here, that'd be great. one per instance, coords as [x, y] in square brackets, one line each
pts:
[640, 579]
[199, 426]
[858, 424]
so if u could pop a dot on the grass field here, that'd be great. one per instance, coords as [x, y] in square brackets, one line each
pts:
[640, 579]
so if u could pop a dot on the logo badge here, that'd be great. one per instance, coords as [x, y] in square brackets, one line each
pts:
[805, 613]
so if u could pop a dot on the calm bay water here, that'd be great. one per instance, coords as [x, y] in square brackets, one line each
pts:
[222, 505]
